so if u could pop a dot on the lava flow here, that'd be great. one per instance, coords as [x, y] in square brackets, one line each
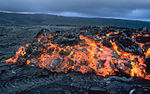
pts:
[88, 55]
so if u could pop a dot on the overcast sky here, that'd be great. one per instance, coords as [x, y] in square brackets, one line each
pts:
[127, 9]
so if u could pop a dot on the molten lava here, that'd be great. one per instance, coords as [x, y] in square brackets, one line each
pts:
[89, 55]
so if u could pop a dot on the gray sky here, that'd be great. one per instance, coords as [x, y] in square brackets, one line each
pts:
[127, 9]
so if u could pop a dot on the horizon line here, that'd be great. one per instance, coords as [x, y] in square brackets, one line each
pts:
[81, 16]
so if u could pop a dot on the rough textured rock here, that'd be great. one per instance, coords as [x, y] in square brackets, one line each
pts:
[21, 79]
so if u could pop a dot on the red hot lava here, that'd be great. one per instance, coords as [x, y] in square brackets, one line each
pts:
[89, 55]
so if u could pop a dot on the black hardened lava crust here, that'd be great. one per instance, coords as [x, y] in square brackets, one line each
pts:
[22, 79]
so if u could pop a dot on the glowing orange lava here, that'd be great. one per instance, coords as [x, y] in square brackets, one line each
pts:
[87, 56]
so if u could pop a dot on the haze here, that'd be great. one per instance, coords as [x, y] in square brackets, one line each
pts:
[124, 9]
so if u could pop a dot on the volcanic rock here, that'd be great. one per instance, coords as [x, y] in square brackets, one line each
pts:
[128, 45]
[143, 39]
[25, 79]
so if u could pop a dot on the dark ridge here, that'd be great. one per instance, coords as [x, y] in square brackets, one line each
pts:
[44, 19]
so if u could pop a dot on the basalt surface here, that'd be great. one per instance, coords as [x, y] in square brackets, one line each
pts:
[22, 77]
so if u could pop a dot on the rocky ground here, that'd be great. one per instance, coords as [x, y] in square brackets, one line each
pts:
[22, 79]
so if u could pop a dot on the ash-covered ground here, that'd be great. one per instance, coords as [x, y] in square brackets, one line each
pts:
[23, 79]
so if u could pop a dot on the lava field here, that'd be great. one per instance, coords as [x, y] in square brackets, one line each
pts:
[90, 59]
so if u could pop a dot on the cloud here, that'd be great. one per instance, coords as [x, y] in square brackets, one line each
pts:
[129, 9]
